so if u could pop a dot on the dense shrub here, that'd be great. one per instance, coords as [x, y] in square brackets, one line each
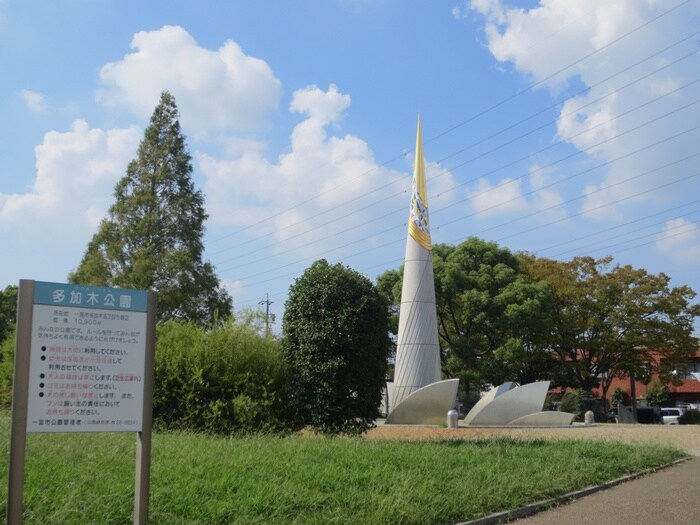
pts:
[656, 393]
[620, 396]
[223, 380]
[691, 417]
[572, 402]
[336, 345]
[7, 366]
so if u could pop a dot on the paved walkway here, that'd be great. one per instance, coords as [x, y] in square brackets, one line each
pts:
[670, 497]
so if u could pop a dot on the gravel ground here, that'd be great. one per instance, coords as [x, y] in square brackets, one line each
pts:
[685, 437]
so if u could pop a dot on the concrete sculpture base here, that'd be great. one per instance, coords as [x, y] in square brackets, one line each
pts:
[426, 406]
[549, 418]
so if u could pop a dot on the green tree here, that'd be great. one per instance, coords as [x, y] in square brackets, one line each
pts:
[620, 396]
[573, 402]
[152, 237]
[8, 311]
[656, 393]
[607, 322]
[490, 321]
[389, 286]
[8, 316]
[7, 367]
[336, 344]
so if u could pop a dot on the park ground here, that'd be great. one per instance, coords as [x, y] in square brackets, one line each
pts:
[684, 437]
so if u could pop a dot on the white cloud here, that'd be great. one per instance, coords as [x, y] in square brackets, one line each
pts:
[514, 196]
[545, 39]
[215, 90]
[236, 289]
[321, 170]
[590, 128]
[621, 113]
[489, 199]
[491, 9]
[325, 107]
[543, 197]
[681, 240]
[75, 175]
[35, 101]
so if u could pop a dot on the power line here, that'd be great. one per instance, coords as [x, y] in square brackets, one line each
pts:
[674, 209]
[617, 201]
[493, 150]
[541, 168]
[474, 117]
[593, 244]
[437, 211]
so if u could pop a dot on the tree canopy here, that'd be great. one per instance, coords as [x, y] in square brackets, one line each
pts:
[152, 237]
[336, 344]
[8, 310]
[489, 319]
[581, 323]
[609, 321]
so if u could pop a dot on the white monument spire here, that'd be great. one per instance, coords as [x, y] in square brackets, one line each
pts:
[417, 349]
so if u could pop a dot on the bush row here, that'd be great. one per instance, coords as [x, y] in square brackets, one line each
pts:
[222, 380]
[226, 379]
[691, 417]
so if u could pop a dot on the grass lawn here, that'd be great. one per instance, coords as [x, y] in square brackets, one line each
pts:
[196, 479]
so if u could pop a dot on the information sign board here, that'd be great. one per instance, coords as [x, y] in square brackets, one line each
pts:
[87, 358]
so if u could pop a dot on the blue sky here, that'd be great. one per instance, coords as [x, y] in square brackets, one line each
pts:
[560, 127]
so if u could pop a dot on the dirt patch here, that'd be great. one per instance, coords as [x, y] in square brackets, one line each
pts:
[685, 437]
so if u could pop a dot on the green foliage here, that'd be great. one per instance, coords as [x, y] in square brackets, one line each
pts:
[691, 417]
[336, 343]
[8, 311]
[573, 402]
[607, 322]
[152, 238]
[226, 379]
[581, 323]
[620, 396]
[7, 367]
[490, 321]
[656, 393]
[389, 286]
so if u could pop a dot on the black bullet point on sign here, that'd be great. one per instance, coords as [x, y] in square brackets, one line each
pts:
[41, 394]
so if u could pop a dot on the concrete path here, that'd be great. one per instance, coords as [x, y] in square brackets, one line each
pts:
[670, 497]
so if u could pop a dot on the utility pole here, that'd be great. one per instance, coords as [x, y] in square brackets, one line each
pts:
[269, 318]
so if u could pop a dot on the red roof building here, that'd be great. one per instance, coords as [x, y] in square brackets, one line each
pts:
[685, 392]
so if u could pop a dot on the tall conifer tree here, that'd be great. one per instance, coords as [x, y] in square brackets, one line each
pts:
[152, 236]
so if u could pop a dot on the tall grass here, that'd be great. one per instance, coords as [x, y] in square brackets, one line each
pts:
[199, 479]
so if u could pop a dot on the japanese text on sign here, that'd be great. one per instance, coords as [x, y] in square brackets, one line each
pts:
[87, 359]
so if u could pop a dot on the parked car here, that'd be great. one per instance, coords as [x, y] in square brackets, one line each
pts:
[611, 416]
[672, 416]
[649, 415]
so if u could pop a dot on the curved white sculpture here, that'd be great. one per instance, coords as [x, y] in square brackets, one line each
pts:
[506, 406]
[426, 406]
[486, 399]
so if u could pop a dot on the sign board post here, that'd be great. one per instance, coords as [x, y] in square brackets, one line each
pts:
[84, 362]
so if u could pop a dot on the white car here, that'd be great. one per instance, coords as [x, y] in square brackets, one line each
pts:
[672, 416]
